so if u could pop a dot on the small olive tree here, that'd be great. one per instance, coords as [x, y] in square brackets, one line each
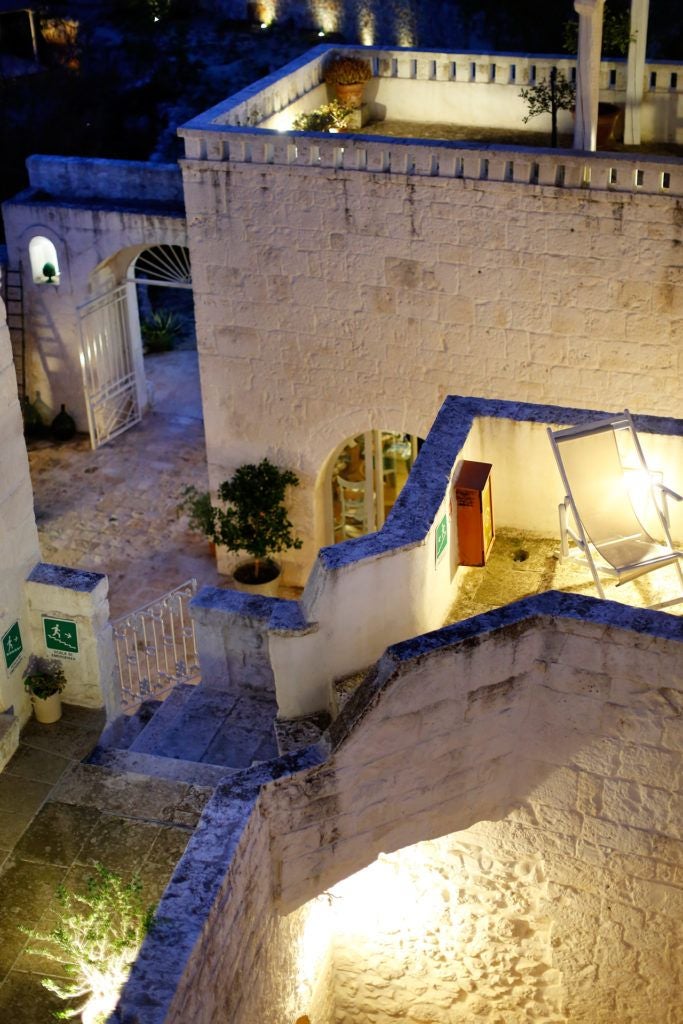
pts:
[254, 518]
[547, 97]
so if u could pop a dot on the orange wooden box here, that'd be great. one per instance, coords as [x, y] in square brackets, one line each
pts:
[474, 507]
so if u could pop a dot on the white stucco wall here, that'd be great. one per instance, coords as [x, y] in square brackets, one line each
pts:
[19, 550]
[332, 301]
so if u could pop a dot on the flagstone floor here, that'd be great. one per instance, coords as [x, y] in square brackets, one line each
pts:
[58, 818]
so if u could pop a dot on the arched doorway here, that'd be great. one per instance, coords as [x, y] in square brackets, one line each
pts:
[366, 476]
[111, 332]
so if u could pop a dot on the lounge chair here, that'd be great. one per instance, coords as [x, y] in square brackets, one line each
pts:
[609, 494]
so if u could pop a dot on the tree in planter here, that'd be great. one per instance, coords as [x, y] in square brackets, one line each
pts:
[254, 520]
[549, 97]
[96, 939]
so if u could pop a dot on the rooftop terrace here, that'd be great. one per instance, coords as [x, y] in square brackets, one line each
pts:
[448, 115]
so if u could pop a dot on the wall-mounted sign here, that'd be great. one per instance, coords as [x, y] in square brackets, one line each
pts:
[441, 537]
[61, 637]
[12, 645]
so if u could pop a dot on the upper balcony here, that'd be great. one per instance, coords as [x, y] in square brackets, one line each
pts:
[449, 115]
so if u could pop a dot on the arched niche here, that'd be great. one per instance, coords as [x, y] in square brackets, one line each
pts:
[43, 256]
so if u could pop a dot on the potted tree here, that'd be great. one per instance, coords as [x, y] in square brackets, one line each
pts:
[44, 679]
[253, 519]
[348, 75]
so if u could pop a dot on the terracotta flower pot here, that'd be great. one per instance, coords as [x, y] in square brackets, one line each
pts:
[350, 95]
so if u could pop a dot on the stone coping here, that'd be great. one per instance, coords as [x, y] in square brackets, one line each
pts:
[201, 876]
[416, 508]
[414, 512]
[65, 577]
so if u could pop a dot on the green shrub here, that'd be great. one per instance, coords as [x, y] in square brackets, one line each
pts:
[161, 332]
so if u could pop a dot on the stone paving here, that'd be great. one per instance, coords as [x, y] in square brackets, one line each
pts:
[521, 565]
[114, 510]
[58, 818]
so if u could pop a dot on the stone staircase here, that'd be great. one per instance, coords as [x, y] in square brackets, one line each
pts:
[198, 735]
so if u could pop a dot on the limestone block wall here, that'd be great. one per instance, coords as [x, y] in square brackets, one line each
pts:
[99, 215]
[535, 756]
[19, 549]
[331, 301]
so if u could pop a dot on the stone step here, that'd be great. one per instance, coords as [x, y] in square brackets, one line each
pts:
[148, 738]
[294, 734]
[173, 769]
[343, 689]
[212, 726]
[120, 733]
[9, 738]
[132, 794]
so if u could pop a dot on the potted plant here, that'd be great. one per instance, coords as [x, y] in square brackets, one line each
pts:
[161, 332]
[253, 519]
[348, 75]
[331, 117]
[44, 679]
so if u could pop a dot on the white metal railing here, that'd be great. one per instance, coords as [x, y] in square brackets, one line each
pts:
[156, 648]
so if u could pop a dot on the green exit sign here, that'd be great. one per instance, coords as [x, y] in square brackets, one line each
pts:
[12, 645]
[61, 636]
[441, 537]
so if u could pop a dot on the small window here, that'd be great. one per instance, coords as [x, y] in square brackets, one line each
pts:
[44, 262]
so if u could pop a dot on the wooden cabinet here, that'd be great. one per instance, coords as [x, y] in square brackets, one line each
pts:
[474, 512]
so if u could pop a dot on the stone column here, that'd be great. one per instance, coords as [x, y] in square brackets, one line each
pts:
[635, 70]
[590, 14]
[76, 601]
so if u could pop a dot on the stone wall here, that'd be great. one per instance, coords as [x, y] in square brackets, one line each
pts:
[19, 550]
[99, 215]
[333, 301]
[544, 741]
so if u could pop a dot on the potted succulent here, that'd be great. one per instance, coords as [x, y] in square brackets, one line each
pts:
[252, 518]
[44, 679]
[348, 75]
[161, 332]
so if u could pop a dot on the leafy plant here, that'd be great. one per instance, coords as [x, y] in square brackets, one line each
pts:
[347, 71]
[43, 677]
[161, 332]
[49, 271]
[547, 97]
[616, 33]
[96, 940]
[254, 520]
[197, 506]
[331, 116]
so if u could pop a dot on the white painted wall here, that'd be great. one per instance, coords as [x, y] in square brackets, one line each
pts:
[19, 550]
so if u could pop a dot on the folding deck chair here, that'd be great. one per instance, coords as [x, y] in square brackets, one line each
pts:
[608, 493]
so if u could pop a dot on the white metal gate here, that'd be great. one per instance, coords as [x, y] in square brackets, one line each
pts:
[155, 647]
[108, 368]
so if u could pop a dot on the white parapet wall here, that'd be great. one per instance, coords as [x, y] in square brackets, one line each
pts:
[459, 88]
[366, 594]
[68, 615]
[503, 792]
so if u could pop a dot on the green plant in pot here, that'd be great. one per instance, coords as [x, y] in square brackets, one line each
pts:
[44, 679]
[253, 518]
[161, 332]
[348, 75]
[331, 117]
